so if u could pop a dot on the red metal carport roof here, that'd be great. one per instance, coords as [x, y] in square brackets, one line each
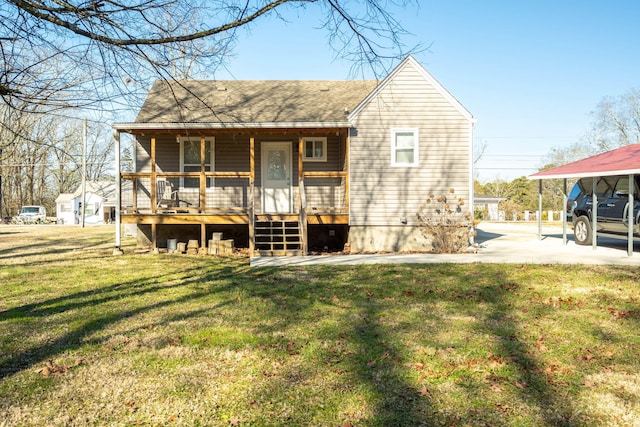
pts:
[621, 161]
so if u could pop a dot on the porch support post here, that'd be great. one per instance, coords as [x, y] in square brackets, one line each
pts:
[346, 168]
[154, 238]
[302, 197]
[203, 179]
[117, 250]
[251, 195]
[203, 235]
[631, 215]
[154, 195]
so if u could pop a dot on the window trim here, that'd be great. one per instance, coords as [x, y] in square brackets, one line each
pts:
[416, 146]
[322, 139]
[212, 157]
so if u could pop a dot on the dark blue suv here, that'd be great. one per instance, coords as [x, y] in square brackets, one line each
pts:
[613, 207]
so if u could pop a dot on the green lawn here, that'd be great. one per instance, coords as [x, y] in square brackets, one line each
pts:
[88, 338]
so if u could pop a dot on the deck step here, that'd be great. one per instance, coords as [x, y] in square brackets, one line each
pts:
[279, 253]
[278, 235]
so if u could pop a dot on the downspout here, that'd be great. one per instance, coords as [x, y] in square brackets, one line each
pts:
[117, 250]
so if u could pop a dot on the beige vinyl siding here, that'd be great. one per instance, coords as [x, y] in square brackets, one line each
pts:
[382, 194]
[321, 192]
[232, 155]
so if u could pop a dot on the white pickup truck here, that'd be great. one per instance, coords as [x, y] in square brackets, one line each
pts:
[33, 214]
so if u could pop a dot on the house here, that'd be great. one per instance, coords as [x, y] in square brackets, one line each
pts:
[99, 206]
[287, 167]
[65, 208]
[488, 206]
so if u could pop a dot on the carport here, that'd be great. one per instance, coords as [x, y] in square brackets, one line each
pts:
[621, 161]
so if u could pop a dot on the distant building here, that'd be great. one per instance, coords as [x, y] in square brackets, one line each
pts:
[99, 205]
[488, 205]
[65, 208]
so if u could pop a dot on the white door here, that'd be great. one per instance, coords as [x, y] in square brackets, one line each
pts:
[276, 177]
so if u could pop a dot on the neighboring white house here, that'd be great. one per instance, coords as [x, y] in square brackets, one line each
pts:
[99, 205]
[489, 205]
[65, 208]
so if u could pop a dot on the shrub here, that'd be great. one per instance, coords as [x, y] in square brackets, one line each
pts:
[444, 222]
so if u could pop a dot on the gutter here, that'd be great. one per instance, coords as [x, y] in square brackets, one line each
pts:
[130, 127]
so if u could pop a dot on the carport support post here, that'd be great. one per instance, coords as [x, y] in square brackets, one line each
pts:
[539, 209]
[594, 213]
[564, 212]
[631, 214]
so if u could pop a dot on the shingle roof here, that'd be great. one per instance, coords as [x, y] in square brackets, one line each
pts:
[621, 161]
[255, 101]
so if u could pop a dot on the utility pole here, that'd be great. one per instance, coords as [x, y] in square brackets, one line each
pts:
[83, 207]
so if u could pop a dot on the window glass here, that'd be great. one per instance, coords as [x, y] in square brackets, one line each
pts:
[315, 149]
[622, 187]
[191, 162]
[277, 165]
[603, 188]
[308, 149]
[404, 147]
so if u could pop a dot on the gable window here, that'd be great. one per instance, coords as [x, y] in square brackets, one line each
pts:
[404, 146]
[315, 149]
[190, 161]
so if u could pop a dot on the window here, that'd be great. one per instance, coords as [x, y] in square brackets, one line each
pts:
[190, 161]
[404, 147]
[315, 149]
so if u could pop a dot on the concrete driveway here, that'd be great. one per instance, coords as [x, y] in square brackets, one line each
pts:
[515, 243]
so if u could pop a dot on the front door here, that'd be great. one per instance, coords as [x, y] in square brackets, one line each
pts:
[276, 177]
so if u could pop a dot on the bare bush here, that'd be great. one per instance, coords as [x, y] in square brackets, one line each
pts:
[444, 222]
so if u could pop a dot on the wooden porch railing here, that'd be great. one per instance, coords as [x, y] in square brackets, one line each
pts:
[201, 205]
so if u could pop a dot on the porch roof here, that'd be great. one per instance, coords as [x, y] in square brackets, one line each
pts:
[250, 104]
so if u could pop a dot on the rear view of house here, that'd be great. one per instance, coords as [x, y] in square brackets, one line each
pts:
[285, 167]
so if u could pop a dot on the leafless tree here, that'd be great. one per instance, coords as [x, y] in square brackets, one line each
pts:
[616, 122]
[95, 51]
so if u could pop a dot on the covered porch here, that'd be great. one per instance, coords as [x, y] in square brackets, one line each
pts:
[270, 184]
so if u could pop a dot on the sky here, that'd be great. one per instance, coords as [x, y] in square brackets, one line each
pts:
[530, 72]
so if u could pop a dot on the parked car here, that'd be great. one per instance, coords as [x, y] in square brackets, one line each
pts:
[613, 207]
[32, 214]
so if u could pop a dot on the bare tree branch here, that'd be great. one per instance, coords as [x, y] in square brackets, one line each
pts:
[94, 49]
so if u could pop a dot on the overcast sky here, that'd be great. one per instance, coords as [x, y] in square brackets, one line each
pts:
[530, 72]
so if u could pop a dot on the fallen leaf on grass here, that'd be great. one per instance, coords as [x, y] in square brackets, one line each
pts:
[503, 407]
[540, 345]
[587, 357]
[235, 421]
[424, 391]
[416, 365]
[52, 368]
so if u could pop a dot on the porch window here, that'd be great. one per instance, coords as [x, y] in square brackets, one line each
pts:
[315, 149]
[404, 146]
[190, 161]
